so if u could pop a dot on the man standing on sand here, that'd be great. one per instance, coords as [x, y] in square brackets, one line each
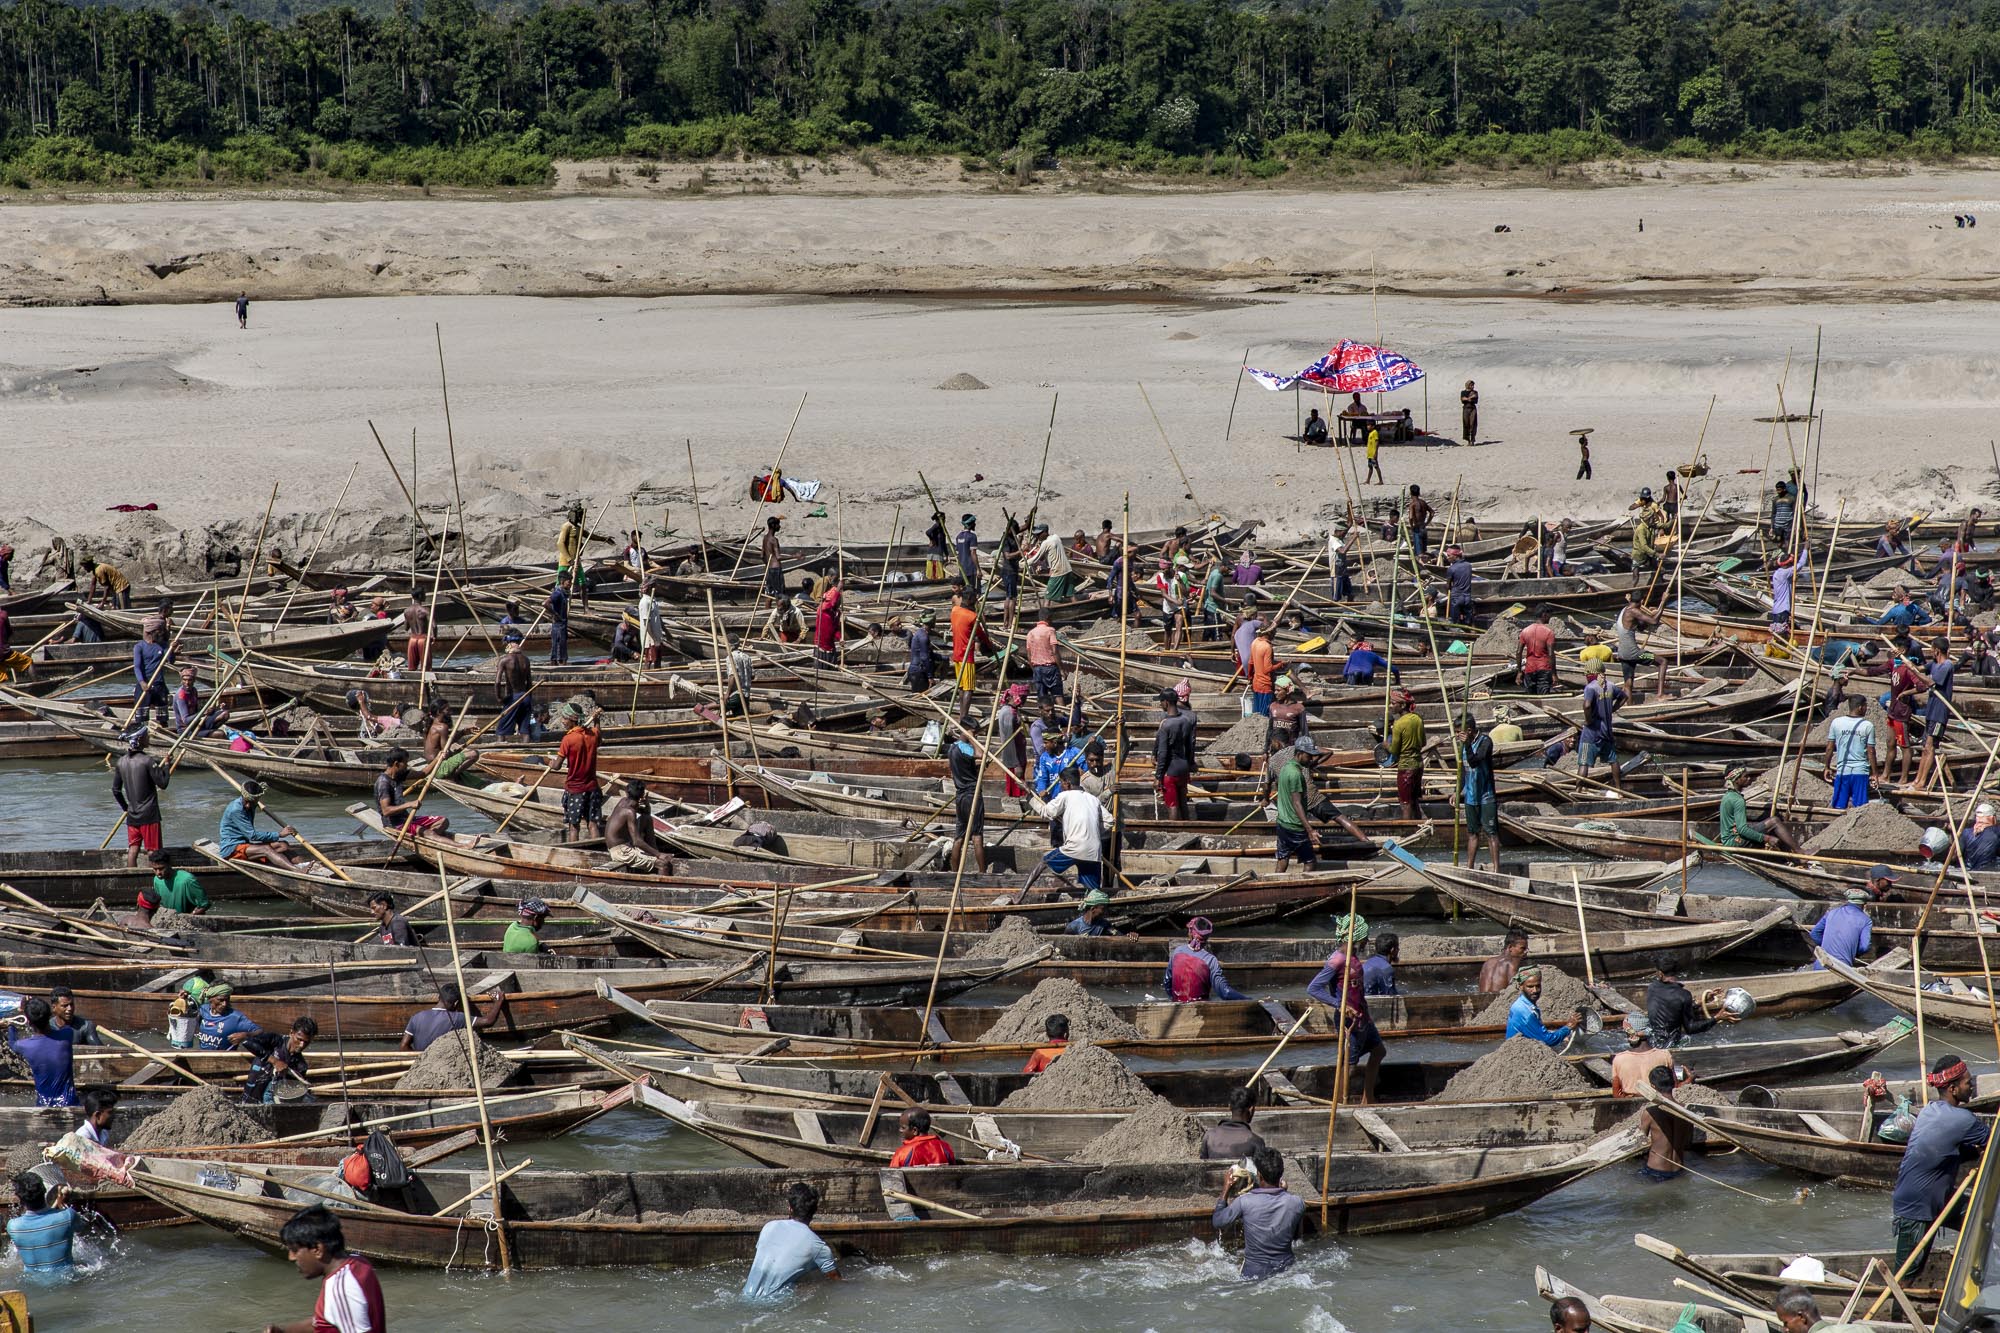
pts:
[1468, 411]
[242, 310]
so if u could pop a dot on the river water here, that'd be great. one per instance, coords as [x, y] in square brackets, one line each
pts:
[1475, 1278]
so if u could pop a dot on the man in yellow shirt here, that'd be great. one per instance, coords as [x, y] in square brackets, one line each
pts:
[1504, 730]
[116, 589]
[1597, 653]
[1406, 746]
[1374, 462]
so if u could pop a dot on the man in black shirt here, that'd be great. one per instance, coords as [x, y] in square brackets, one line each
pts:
[1173, 754]
[1672, 1013]
[1232, 1140]
[395, 927]
[276, 1058]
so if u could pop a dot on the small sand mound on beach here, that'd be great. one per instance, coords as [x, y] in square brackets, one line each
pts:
[963, 380]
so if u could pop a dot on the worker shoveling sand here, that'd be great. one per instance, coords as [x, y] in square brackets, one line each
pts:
[1156, 1132]
[1090, 1019]
[197, 1118]
[1521, 1068]
[1876, 827]
[1083, 1077]
[1013, 938]
[443, 1065]
[1561, 994]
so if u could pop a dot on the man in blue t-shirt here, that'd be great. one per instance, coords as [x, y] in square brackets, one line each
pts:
[788, 1249]
[1847, 931]
[222, 1026]
[49, 1054]
[42, 1233]
[1946, 1138]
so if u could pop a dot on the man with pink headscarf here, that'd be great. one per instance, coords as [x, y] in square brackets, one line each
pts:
[1193, 973]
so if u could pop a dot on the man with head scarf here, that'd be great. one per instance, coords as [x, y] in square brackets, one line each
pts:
[1946, 1140]
[1193, 973]
[1340, 987]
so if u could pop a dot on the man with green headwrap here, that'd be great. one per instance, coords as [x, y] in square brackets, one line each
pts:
[1524, 1016]
[1091, 921]
[1350, 1001]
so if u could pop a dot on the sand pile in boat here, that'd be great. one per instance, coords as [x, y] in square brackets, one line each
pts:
[1014, 938]
[1700, 1095]
[196, 1118]
[24, 1157]
[1090, 1019]
[1501, 638]
[443, 1064]
[964, 380]
[1812, 789]
[1561, 993]
[1520, 1068]
[1245, 736]
[1156, 1132]
[1815, 742]
[168, 922]
[1447, 946]
[1876, 826]
[1084, 1076]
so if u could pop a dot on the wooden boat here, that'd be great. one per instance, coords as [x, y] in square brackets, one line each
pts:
[564, 1219]
[1632, 1314]
[1946, 1000]
[1510, 900]
[121, 629]
[1755, 1278]
[74, 878]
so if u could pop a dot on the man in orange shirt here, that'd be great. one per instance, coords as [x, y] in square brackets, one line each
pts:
[1263, 670]
[965, 632]
[920, 1146]
[582, 802]
[1057, 1026]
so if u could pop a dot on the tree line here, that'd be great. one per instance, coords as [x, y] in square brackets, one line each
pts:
[211, 90]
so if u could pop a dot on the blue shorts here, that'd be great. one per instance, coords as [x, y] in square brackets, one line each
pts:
[1260, 704]
[1647, 1173]
[1850, 790]
[1088, 875]
[1594, 752]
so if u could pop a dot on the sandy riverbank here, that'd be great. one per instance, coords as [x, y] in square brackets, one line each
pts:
[559, 397]
[1755, 233]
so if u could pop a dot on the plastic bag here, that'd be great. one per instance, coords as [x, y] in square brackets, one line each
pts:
[1687, 1323]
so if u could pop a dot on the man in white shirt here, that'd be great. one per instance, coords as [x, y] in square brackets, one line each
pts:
[1076, 826]
[1850, 755]
[1062, 577]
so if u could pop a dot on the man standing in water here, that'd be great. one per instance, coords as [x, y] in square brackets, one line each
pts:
[788, 1249]
[1272, 1215]
[350, 1295]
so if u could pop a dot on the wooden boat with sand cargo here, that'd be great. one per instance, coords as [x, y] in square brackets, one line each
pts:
[618, 1219]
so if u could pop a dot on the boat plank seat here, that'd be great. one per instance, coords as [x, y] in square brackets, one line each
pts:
[443, 1148]
[847, 941]
[810, 1129]
[145, 1073]
[1378, 1129]
[167, 982]
[728, 1072]
[1284, 1090]
[986, 1131]
[494, 981]
[898, 1210]
[934, 1030]
[1281, 1017]
[1818, 1125]
[950, 1089]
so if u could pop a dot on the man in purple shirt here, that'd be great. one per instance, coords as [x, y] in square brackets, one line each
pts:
[1846, 931]
[1364, 1040]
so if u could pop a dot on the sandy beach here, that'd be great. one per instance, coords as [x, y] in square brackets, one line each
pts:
[163, 400]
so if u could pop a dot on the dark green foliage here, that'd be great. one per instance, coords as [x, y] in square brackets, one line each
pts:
[449, 93]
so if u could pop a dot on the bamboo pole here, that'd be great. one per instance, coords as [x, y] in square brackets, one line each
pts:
[889, 552]
[694, 485]
[1808, 664]
[451, 447]
[1340, 1059]
[722, 696]
[478, 1083]
[1124, 625]
[250, 570]
[1186, 485]
[318, 541]
[762, 500]
[1228, 429]
[1251, 1082]
[1582, 929]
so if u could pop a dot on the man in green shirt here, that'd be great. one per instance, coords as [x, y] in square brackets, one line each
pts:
[177, 890]
[1735, 828]
[1406, 746]
[525, 935]
[1295, 834]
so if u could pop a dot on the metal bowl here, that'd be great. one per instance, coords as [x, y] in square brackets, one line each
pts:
[1739, 1002]
[1593, 1022]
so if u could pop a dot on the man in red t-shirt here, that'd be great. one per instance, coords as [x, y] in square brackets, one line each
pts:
[582, 802]
[920, 1146]
[1535, 660]
[350, 1295]
[965, 632]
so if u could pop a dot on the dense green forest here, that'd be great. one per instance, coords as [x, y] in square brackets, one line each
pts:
[450, 93]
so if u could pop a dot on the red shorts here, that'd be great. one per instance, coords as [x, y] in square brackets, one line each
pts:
[1899, 731]
[146, 837]
[422, 823]
[1173, 790]
[1409, 785]
[416, 653]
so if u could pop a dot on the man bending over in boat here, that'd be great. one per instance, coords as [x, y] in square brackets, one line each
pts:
[628, 832]
[787, 1249]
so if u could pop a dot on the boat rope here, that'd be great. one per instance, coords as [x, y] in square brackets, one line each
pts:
[1760, 1198]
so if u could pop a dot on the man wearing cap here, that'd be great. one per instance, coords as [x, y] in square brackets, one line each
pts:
[1407, 747]
[1671, 1011]
[1045, 659]
[525, 934]
[1734, 827]
[1851, 755]
[1092, 921]
[1524, 1016]
[1193, 973]
[1173, 755]
[1481, 796]
[136, 782]
[1632, 1067]
[239, 839]
[1846, 931]
[1946, 1140]
[967, 546]
[1339, 986]
[1458, 579]
[1062, 576]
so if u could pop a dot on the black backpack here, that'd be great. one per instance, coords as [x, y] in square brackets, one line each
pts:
[386, 1168]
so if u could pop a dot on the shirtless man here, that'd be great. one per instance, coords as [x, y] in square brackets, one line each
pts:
[628, 832]
[1498, 973]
